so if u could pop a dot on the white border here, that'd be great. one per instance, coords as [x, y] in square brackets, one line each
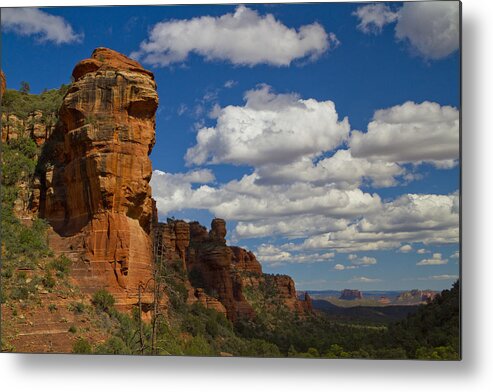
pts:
[79, 373]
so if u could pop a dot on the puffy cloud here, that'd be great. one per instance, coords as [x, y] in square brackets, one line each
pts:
[455, 255]
[431, 28]
[373, 17]
[243, 37]
[430, 219]
[435, 260]
[365, 260]
[405, 248]
[301, 226]
[341, 170]
[244, 200]
[352, 257]
[42, 25]
[275, 256]
[363, 279]
[411, 132]
[269, 128]
[422, 251]
[339, 267]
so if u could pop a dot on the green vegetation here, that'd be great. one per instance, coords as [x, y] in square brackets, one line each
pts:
[21, 103]
[82, 346]
[103, 300]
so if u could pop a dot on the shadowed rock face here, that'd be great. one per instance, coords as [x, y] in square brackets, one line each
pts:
[97, 186]
[3, 83]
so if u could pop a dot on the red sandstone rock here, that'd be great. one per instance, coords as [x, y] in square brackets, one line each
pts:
[98, 188]
[245, 261]
[213, 260]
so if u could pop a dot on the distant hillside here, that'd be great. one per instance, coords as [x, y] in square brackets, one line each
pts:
[363, 314]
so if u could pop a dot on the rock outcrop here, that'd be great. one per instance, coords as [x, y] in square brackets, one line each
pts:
[95, 189]
[38, 126]
[3, 83]
[212, 261]
[220, 274]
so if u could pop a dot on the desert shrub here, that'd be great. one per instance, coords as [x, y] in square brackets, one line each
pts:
[61, 265]
[81, 346]
[72, 329]
[103, 300]
[76, 307]
[48, 280]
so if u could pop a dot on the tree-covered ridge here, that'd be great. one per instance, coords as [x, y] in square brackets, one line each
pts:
[21, 103]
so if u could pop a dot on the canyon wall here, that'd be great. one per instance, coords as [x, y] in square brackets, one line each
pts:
[220, 274]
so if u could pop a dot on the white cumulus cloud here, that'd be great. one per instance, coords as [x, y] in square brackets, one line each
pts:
[411, 132]
[40, 24]
[275, 256]
[244, 37]
[436, 259]
[405, 248]
[269, 128]
[431, 28]
[373, 17]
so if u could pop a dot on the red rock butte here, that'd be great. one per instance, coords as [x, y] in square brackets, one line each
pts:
[96, 192]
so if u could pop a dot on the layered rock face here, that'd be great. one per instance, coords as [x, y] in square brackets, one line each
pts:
[212, 260]
[219, 274]
[95, 191]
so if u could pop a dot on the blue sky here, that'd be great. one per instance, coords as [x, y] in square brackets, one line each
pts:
[326, 134]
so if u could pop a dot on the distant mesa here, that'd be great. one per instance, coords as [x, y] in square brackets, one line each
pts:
[350, 294]
[416, 296]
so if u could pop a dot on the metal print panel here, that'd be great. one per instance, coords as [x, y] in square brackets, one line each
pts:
[278, 180]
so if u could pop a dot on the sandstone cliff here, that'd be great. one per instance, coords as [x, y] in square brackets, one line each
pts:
[94, 189]
[220, 274]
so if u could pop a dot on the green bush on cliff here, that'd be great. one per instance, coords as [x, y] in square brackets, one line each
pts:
[102, 300]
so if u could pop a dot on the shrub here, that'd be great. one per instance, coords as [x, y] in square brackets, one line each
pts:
[113, 345]
[72, 329]
[61, 265]
[48, 280]
[19, 292]
[103, 300]
[81, 346]
[76, 307]
[52, 307]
